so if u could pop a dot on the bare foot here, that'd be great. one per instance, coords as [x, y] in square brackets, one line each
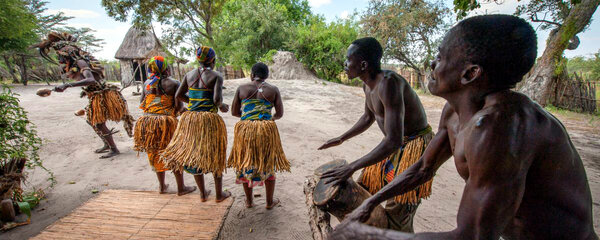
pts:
[163, 189]
[102, 149]
[249, 204]
[112, 153]
[224, 195]
[273, 204]
[186, 190]
[204, 197]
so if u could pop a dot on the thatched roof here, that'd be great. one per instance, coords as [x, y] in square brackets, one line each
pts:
[140, 44]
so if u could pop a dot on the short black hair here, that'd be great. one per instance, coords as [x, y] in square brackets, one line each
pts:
[370, 50]
[504, 46]
[260, 70]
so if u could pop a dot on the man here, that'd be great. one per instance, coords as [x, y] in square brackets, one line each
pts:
[199, 144]
[400, 115]
[105, 100]
[154, 130]
[524, 178]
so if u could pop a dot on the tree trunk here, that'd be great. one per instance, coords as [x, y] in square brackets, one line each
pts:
[10, 68]
[543, 76]
[22, 63]
[421, 79]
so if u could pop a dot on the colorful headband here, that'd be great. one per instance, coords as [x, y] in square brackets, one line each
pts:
[156, 66]
[205, 54]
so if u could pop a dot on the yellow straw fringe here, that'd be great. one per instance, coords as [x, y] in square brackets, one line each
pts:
[200, 141]
[153, 132]
[257, 146]
[373, 177]
[109, 104]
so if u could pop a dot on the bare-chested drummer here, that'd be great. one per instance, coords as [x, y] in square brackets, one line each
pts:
[400, 115]
[524, 178]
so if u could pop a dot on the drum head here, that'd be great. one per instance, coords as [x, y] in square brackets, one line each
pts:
[325, 192]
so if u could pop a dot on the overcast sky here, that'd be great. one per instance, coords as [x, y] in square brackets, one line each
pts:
[91, 14]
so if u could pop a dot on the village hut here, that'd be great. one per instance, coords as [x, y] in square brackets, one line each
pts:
[138, 46]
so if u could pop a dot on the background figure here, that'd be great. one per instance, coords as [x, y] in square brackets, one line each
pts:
[257, 152]
[200, 141]
[105, 100]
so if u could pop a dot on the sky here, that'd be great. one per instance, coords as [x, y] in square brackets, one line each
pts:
[91, 14]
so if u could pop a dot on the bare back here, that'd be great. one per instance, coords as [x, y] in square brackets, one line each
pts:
[415, 118]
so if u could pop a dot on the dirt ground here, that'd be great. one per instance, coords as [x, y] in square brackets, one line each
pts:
[315, 111]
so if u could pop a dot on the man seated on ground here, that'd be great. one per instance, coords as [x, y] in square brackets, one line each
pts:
[400, 115]
[524, 178]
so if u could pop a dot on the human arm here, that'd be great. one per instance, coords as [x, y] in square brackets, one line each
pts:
[278, 105]
[363, 123]
[236, 110]
[218, 96]
[87, 74]
[182, 90]
[391, 97]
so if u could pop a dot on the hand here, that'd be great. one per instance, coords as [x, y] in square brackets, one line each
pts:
[60, 88]
[350, 230]
[331, 143]
[338, 174]
[361, 213]
[224, 107]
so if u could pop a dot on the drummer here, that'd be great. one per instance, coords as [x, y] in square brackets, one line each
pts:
[400, 115]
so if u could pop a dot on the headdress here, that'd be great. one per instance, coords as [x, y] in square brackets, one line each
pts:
[156, 67]
[205, 55]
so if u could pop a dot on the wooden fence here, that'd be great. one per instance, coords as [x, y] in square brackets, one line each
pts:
[577, 93]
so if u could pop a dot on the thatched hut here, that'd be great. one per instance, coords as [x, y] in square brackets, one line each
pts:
[138, 46]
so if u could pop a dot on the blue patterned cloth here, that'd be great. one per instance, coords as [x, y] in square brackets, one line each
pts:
[201, 100]
[256, 109]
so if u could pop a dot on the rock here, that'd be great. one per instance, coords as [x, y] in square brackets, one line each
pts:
[286, 66]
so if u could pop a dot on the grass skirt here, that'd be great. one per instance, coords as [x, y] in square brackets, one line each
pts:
[200, 141]
[153, 132]
[374, 178]
[108, 104]
[257, 147]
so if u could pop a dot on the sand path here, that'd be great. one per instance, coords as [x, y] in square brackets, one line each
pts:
[314, 112]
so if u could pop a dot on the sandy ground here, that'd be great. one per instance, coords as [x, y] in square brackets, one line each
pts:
[314, 112]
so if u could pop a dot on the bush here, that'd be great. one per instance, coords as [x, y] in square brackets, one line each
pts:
[321, 47]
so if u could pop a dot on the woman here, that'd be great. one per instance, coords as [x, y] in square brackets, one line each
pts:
[257, 153]
[153, 130]
[200, 141]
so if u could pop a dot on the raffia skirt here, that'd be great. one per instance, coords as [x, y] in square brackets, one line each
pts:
[257, 152]
[108, 104]
[199, 143]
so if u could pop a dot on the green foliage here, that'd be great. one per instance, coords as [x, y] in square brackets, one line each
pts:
[587, 67]
[268, 57]
[321, 46]
[249, 29]
[462, 7]
[18, 137]
[17, 26]
[409, 31]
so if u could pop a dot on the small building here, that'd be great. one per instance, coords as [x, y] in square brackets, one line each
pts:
[138, 46]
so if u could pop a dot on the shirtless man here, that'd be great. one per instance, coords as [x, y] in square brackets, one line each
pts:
[524, 178]
[400, 115]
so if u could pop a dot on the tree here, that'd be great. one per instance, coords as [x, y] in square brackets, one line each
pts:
[566, 19]
[321, 47]
[408, 30]
[249, 29]
[190, 20]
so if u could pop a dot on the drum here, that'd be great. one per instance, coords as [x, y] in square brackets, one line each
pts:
[342, 199]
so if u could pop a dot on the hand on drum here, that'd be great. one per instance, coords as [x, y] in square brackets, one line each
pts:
[338, 175]
[345, 230]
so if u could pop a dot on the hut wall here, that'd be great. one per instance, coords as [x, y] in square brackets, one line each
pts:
[126, 69]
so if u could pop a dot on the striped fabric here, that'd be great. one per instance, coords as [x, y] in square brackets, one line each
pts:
[201, 100]
[256, 109]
